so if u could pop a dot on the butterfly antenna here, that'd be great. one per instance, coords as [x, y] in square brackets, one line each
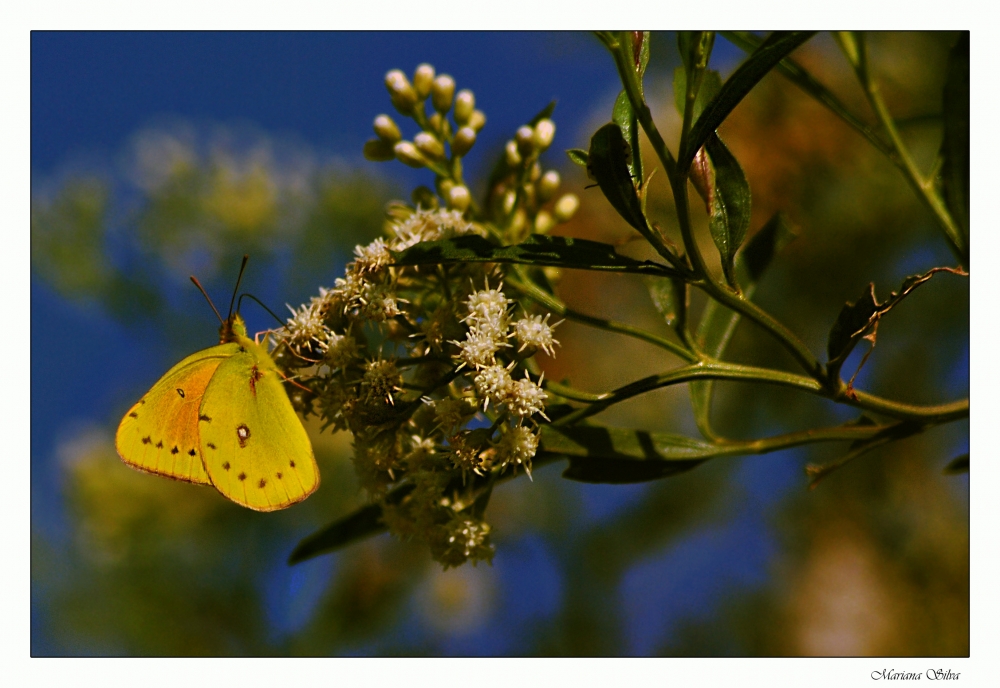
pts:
[261, 303]
[237, 288]
[205, 294]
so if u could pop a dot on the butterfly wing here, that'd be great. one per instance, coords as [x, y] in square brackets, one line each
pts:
[255, 450]
[159, 434]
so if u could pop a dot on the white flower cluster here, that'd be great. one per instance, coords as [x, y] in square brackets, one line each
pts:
[430, 225]
[488, 320]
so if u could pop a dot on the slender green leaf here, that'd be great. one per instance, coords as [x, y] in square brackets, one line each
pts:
[859, 319]
[798, 75]
[623, 115]
[955, 146]
[737, 86]
[960, 464]
[730, 204]
[537, 249]
[544, 113]
[615, 455]
[711, 84]
[610, 157]
[579, 156]
[640, 51]
[718, 322]
[362, 523]
[695, 48]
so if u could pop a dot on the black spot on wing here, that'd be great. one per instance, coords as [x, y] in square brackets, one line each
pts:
[181, 392]
[133, 415]
[192, 452]
[242, 476]
[204, 418]
[225, 465]
[292, 464]
[146, 440]
[278, 475]
[263, 482]
[211, 446]
[159, 445]
[174, 450]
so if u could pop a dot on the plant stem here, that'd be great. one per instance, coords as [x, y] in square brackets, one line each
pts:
[678, 185]
[713, 370]
[901, 156]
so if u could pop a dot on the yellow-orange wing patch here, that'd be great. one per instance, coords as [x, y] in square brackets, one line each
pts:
[159, 434]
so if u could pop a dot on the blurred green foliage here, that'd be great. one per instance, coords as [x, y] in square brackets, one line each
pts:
[875, 561]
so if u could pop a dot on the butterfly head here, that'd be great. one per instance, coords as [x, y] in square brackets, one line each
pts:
[233, 329]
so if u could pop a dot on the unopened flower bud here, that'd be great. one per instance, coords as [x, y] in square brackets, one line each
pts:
[400, 91]
[408, 154]
[429, 145]
[478, 120]
[442, 91]
[545, 131]
[444, 185]
[397, 210]
[518, 222]
[464, 139]
[525, 138]
[459, 198]
[435, 121]
[536, 172]
[378, 150]
[424, 198]
[509, 199]
[703, 177]
[465, 103]
[513, 157]
[566, 207]
[423, 77]
[548, 185]
[544, 222]
[386, 129]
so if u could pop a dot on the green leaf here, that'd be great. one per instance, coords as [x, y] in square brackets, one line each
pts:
[615, 455]
[718, 323]
[623, 115]
[711, 84]
[544, 113]
[695, 48]
[643, 50]
[859, 319]
[579, 156]
[610, 158]
[537, 249]
[730, 204]
[362, 523]
[737, 86]
[960, 464]
[955, 146]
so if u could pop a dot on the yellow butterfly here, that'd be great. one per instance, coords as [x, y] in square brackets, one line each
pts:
[221, 417]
